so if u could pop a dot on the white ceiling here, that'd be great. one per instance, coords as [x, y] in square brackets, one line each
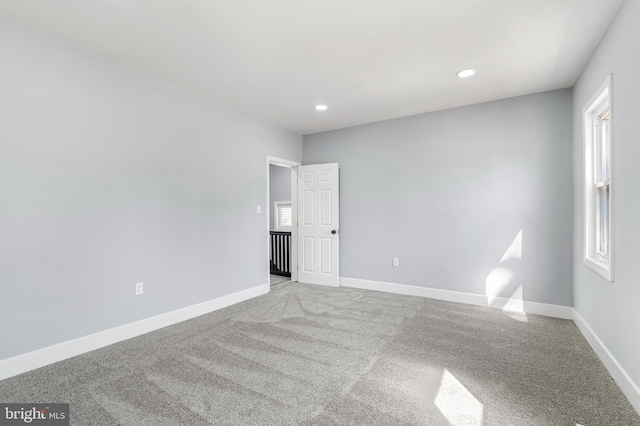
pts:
[368, 60]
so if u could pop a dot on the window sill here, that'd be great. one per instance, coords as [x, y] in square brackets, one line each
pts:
[601, 267]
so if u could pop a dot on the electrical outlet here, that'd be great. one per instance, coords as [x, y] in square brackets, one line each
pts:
[396, 262]
[259, 209]
[139, 288]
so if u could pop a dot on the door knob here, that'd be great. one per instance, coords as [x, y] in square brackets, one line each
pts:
[334, 232]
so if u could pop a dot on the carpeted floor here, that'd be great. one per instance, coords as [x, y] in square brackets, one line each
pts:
[278, 281]
[312, 355]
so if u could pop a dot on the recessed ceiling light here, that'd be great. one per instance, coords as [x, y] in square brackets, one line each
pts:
[465, 73]
[321, 107]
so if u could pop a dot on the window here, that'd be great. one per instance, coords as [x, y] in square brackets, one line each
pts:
[598, 181]
[282, 216]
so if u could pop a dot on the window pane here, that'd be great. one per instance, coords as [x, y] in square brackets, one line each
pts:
[598, 220]
[605, 220]
[605, 150]
[284, 214]
[597, 151]
[602, 219]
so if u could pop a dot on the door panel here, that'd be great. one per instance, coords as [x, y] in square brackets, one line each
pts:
[325, 255]
[308, 208]
[325, 207]
[307, 256]
[318, 223]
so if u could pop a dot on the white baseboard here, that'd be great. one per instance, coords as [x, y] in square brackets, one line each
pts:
[628, 387]
[45, 356]
[555, 311]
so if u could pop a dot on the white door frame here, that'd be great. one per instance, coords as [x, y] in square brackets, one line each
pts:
[294, 212]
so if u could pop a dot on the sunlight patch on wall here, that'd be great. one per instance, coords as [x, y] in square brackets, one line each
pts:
[515, 306]
[496, 282]
[456, 403]
[499, 279]
[515, 249]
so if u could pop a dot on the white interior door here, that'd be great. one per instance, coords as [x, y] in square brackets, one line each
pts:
[318, 224]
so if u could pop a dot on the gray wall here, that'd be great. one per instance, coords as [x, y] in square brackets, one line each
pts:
[448, 192]
[279, 187]
[109, 177]
[612, 309]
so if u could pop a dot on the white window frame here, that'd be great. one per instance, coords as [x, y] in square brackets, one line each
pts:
[598, 240]
[276, 216]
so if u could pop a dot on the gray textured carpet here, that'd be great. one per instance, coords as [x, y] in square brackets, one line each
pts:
[313, 355]
[278, 281]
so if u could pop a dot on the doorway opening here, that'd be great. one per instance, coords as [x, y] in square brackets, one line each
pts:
[281, 220]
